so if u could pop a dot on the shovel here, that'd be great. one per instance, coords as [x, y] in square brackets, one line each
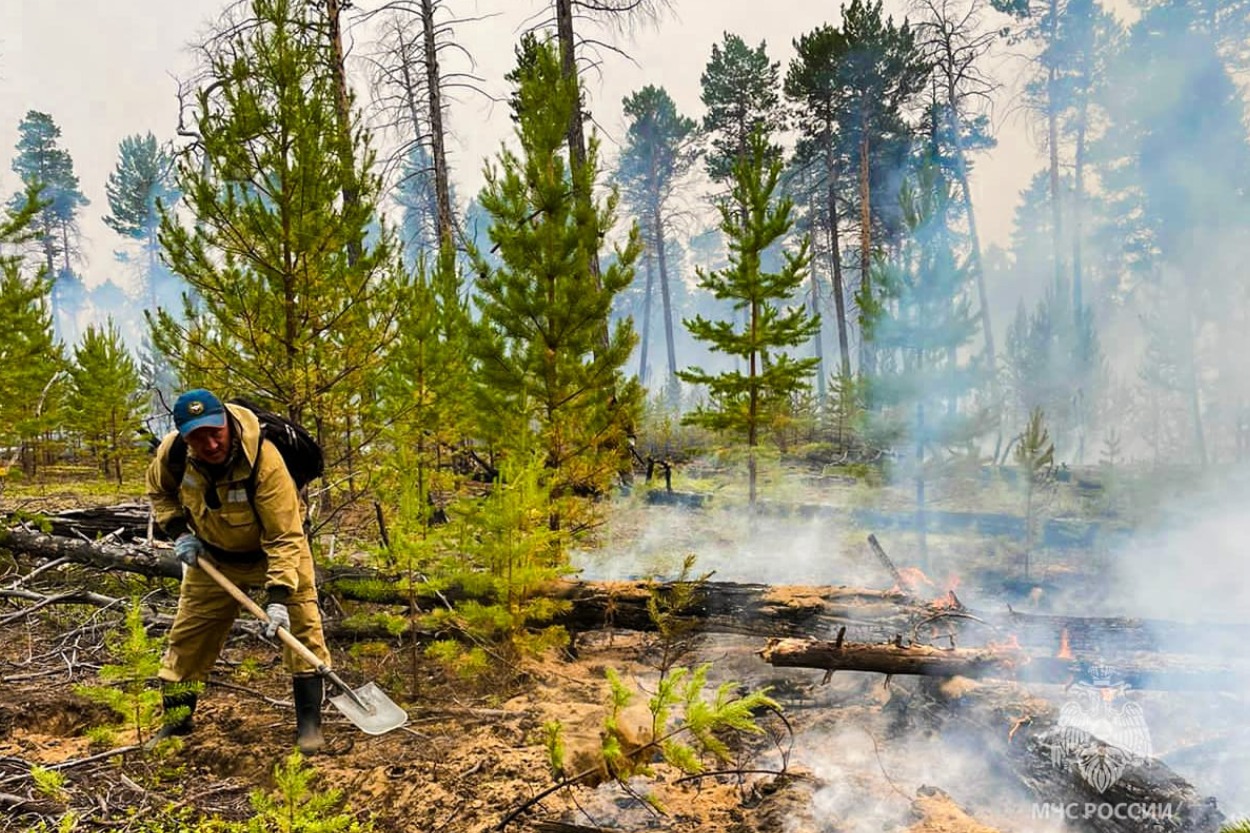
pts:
[368, 706]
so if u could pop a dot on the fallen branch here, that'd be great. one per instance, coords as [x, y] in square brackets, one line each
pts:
[76, 762]
[1005, 662]
[726, 607]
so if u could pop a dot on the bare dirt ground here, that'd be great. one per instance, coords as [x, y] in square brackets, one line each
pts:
[471, 755]
[466, 760]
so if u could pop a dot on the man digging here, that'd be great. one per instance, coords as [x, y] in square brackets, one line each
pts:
[236, 502]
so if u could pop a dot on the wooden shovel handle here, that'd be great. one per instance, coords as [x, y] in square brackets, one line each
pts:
[242, 598]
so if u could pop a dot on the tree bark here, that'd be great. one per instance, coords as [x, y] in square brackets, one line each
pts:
[835, 258]
[1004, 662]
[867, 360]
[576, 132]
[1052, 135]
[724, 607]
[974, 242]
[666, 296]
[433, 83]
[818, 342]
[645, 339]
[351, 188]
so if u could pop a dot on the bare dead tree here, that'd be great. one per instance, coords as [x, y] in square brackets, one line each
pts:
[412, 90]
[582, 50]
[955, 40]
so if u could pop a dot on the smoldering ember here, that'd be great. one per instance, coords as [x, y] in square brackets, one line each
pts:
[625, 415]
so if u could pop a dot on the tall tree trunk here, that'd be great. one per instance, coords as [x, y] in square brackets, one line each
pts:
[1078, 300]
[922, 531]
[835, 259]
[70, 332]
[867, 361]
[577, 135]
[646, 315]
[65, 246]
[666, 295]
[1195, 397]
[343, 108]
[428, 206]
[753, 409]
[974, 239]
[438, 146]
[818, 342]
[54, 299]
[1052, 136]
[1078, 205]
[152, 247]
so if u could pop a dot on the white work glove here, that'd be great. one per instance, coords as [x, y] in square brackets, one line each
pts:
[278, 618]
[188, 548]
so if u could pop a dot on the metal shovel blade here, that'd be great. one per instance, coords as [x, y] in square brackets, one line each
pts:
[379, 715]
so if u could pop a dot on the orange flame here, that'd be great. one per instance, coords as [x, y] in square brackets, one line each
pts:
[913, 578]
[1065, 650]
[1012, 644]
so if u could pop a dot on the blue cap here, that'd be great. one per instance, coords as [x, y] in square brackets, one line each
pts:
[198, 409]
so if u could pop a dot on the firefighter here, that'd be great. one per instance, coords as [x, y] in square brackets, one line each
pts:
[252, 526]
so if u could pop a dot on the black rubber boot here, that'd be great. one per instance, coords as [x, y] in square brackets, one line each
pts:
[180, 726]
[308, 692]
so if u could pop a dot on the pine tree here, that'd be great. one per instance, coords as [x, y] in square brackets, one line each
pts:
[547, 379]
[142, 180]
[42, 163]
[423, 388]
[106, 397]
[1179, 156]
[955, 40]
[410, 84]
[1035, 455]
[884, 70]
[752, 220]
[659, 151]
[293, 291]
[814, 86]
[740, 88]
[922, 325]
[30, 358]
[1040, 22]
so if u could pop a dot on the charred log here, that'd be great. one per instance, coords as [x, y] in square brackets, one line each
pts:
[750, 609]
[998, 662]
[1099, 786]
[1108, 634]
[101, 554]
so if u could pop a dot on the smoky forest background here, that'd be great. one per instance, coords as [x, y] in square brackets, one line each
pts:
[792, 274]
[776, 305]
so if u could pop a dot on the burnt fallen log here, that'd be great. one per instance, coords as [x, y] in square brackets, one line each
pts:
[870, 615]
[1112, 634]
[1006, 662]
[722, 607]
[122, 522]
[1077, 778]
[106, 556]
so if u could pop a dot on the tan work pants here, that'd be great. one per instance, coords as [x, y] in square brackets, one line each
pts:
[206, 612]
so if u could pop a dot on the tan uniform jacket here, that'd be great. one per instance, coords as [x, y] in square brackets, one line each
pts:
[275, 526]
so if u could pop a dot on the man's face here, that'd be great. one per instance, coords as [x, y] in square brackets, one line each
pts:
[212, 445]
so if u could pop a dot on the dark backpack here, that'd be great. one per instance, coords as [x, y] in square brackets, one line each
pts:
[303, 456]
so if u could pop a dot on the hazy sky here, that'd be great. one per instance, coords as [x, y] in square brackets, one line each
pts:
[107, 70]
